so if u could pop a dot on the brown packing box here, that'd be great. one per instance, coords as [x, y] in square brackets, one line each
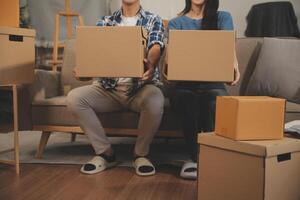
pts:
[17, 55]
[9, 13]
[250, 118]
[201, 56]
[248, 170]
[112, 51]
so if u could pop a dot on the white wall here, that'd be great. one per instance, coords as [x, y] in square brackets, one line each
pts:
[239, 9]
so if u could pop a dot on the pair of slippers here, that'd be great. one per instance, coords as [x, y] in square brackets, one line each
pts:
[142, 165]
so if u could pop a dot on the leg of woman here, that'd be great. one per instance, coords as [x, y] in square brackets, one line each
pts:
[185, 103]
[208, 108]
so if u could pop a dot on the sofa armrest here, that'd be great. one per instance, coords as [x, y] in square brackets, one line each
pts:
[46, 85]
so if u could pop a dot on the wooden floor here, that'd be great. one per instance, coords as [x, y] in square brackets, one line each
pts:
[66, 182]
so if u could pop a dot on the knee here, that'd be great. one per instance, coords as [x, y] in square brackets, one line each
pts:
[74, 100]
[154, 101]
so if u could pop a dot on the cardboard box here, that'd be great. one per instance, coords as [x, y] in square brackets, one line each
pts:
[17, 55]
[110, 51]
[250, 118]
[201, 56]
[252, 170]
[10, 13]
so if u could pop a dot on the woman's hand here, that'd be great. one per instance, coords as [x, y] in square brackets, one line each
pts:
[237, 74]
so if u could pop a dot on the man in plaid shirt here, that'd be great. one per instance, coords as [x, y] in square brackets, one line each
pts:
[114, 94]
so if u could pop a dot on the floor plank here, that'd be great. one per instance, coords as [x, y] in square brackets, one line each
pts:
[66, 182]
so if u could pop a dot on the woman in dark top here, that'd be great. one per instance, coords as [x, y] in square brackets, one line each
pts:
[195, 101]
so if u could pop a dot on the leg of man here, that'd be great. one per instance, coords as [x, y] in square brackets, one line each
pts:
[149, 102]
[84, 103]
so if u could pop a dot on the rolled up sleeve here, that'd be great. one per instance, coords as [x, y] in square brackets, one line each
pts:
[156, 33]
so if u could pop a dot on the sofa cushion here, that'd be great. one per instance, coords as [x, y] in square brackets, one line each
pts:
[46, 84]
[54, 111]
[292, 107]
[278, 70]
[68, 80]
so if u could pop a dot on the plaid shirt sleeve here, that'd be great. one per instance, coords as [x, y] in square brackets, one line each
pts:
[104, 21]
[100, 22]
[156, 33]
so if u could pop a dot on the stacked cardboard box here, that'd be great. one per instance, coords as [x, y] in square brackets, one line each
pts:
[17, 53]
[250, 118]
[9, 13]
[248, 157]
[248, 170]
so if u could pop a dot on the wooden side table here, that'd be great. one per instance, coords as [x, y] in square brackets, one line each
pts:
[16, 148]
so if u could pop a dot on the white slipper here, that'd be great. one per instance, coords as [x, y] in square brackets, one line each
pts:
[141, 162]
[186, 174]
[97, 164]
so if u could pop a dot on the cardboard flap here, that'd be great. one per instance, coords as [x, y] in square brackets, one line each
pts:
[17, 31]
[265, 148]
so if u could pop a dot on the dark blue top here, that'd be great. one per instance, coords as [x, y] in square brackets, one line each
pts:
[184, 22]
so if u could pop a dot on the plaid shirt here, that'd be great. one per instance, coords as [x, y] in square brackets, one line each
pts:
[154, 25]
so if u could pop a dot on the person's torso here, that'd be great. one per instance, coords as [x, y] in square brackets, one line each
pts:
[144, 19]
[124, 84]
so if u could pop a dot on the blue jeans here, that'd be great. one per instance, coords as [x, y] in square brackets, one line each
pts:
[197, 110]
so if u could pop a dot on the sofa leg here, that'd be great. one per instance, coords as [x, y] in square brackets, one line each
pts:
[43, 142]
[73, 137]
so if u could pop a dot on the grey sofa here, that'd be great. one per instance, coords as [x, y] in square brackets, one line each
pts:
[50, 114]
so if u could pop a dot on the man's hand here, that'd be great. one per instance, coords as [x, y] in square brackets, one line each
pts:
[151, 62]
[149, 74]
[78, 78]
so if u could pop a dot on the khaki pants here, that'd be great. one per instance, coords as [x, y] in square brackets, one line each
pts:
[85, 102]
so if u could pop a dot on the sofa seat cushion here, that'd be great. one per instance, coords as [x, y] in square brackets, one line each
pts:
[292, 112]
[292, 107]
[54, 112]
[55, 101]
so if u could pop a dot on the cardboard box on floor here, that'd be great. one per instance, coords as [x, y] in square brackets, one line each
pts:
[9, 13]
[250, 118]
[248, 170]
[17, 55]
[201, 56]
[112, 51]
